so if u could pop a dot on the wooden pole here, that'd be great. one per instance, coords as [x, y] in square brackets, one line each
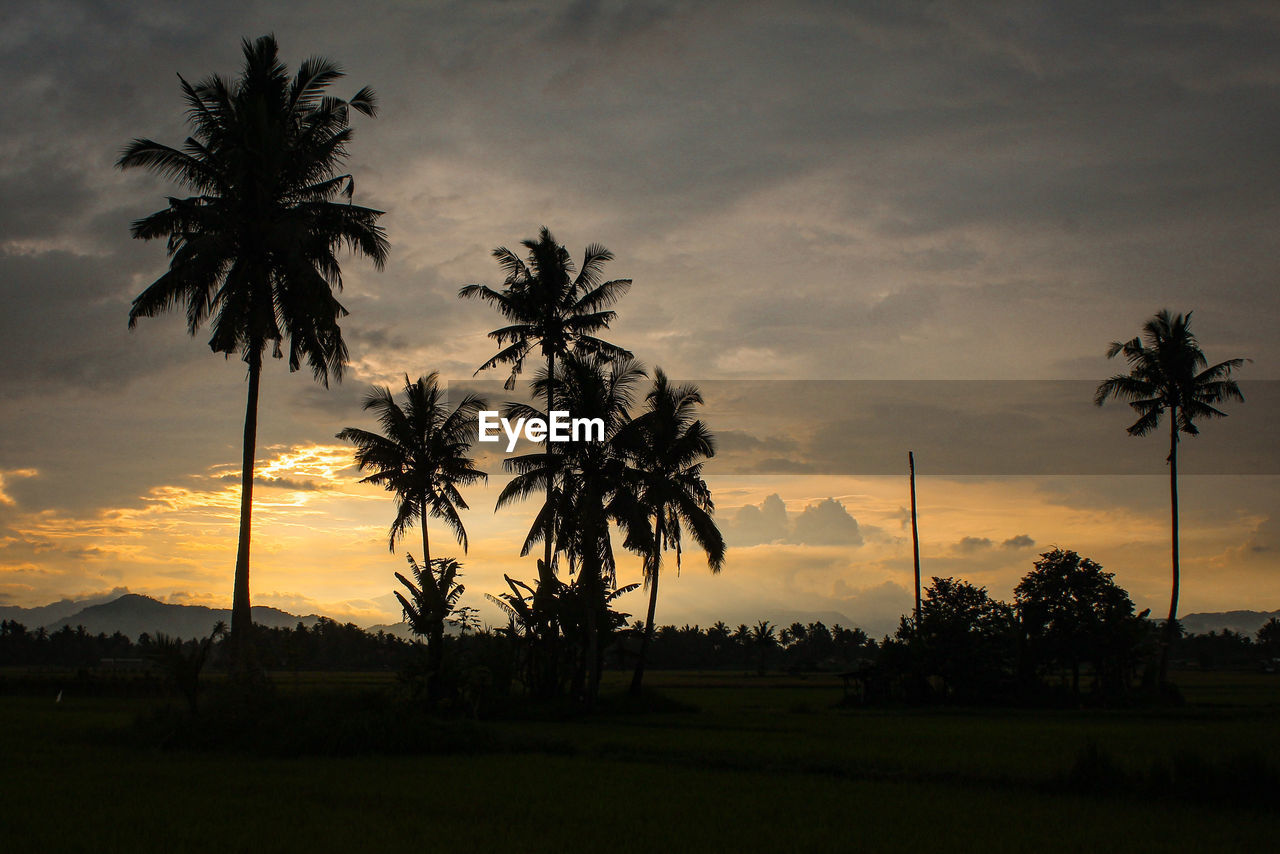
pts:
[915, 531]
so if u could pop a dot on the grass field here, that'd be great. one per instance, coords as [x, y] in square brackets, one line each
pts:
[763, 764]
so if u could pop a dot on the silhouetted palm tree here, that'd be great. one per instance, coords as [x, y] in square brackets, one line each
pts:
[669, 446]
[431, 600]
[557, 307]
[765, 638]
[1168, 372]
[422, 455]
[254, 250]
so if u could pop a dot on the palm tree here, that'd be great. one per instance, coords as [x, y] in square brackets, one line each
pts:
[433, 597]
[765, 638]
[1168, 372]
[422, 456]
[557, 307]
[254, 250]
[669, 447]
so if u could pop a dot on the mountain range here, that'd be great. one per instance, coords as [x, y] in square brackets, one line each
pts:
[132, 614]
[1243, 622]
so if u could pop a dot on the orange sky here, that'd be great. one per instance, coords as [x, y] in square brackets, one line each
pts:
[320, 542]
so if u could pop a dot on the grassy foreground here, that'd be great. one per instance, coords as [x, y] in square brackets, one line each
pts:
[762, 765]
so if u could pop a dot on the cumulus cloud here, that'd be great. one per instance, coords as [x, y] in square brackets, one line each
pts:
[756, 524]
[971, 545]
[824, 523]
[1020, 541]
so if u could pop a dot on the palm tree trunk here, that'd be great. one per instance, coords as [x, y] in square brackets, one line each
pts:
[426, 542]
[915, 533]
[548, 575]
[1170, 630]
[637, 678]
[241, 615]
[546, 629]
[592, 657]
[435, 634]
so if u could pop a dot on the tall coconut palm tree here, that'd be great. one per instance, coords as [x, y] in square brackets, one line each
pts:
[1168, 372]
[554, 307]
[669, 446]
[254, 250]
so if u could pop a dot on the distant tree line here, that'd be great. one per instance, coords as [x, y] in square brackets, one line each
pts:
[1070, 630]
[967, 645]
[325, 645]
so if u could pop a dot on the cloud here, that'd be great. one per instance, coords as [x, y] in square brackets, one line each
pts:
[824, 523]
[6, 476]
[961, 427]
[971, 545]
[1021, 541]
[1261, 544]
[289, 483]
[758, 524]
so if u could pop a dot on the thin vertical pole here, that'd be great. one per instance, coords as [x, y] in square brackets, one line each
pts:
[915, 531]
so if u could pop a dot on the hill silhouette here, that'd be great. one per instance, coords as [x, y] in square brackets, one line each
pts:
[132, 614]
[1244, 622]
[47, 615]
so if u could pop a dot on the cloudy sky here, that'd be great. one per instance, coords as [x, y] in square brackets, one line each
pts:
[916, 200]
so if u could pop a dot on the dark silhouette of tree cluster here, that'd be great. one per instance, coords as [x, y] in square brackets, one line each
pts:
[965, 640]
[642, 478]
[1068, 614]
[330, 645]
[1269, 638]
[66, 647]
[1072, 613]
[326, 645]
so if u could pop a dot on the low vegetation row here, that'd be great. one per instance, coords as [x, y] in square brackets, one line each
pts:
[1071, 632]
